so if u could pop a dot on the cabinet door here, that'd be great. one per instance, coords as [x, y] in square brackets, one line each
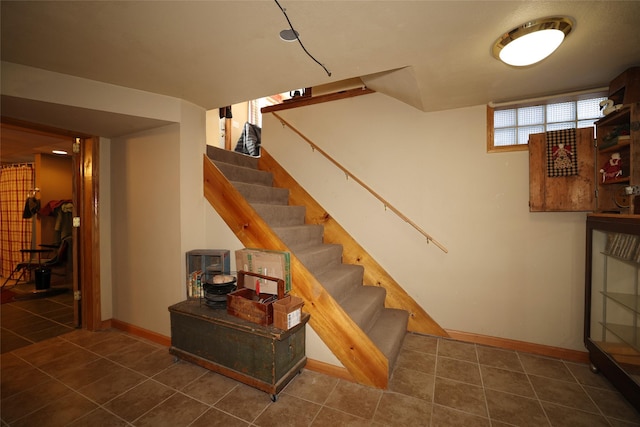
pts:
[572, 193]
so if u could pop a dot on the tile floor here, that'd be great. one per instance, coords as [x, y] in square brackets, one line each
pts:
[27, 321]
[110, 378]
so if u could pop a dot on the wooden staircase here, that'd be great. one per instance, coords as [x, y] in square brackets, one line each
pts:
[357, 309]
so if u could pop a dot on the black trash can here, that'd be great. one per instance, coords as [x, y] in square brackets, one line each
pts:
[43, 278]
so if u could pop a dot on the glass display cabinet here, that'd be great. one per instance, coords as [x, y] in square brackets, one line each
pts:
[612, 303]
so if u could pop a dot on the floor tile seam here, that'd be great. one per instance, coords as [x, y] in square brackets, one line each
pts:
[597, 411]
[187, 395]
[255, 419]
[303, 398]
[159, 404]
[502, 368]
[375, 410]
[451, 408]
[326, 399]
[252, 423]
[49, 402]
[104, 408]
[122, 365]
[19, 336]
[85, 347]
[535, 392]
[40, 313]
[584, 388]
[31, 313]
[56, 324]
[346, 413]
[103, 404]
[202, 374]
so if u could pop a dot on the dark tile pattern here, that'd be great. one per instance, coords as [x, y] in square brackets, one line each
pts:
[110, 378]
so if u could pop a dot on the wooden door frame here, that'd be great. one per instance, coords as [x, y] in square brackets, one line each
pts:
[86, 238]
[87, 248]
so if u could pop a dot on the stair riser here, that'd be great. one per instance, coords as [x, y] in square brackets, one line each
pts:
[321, 258]
[389, 331]
[242, 174]
[280, 216]
[339, 285]
[238, 159]
[364, 305]
[298, 238]
[263, 194]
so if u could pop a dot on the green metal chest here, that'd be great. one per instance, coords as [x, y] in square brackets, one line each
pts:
[263, 357]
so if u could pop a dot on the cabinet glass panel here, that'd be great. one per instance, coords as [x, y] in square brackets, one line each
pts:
[615, 301]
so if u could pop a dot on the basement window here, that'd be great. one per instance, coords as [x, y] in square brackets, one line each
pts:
[509, 126]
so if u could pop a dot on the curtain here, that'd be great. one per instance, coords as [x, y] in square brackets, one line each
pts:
[16, 185]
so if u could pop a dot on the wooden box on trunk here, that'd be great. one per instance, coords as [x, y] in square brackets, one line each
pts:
[254, 298]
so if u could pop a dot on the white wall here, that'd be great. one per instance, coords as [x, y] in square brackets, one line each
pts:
[509, 273]
[146, 248]
[158, 213]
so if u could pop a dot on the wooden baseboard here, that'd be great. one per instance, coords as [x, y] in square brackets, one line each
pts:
[141, 332]
[329, 369]
[343, 373]
[527, 347]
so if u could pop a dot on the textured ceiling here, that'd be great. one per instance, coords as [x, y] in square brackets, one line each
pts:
[434, 55]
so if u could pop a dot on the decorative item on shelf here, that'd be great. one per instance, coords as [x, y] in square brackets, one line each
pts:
[621, 198]
[617, 135]
[612, 169]
[607, 106]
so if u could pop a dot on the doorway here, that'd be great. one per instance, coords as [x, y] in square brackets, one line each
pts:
[83, 276]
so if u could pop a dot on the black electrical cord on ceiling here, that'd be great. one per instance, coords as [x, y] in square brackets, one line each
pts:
[299, 41]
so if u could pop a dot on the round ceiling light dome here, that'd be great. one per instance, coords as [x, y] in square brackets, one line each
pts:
[532, 42]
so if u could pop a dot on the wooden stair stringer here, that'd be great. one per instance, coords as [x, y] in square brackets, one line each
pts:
[353, 348]
[353, 253]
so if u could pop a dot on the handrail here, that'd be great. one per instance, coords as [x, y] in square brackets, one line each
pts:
[365, 186]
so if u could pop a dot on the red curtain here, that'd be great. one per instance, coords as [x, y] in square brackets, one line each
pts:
[16, 186]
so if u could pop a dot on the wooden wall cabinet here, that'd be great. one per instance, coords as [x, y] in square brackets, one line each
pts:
[571, 193]
[619, 134]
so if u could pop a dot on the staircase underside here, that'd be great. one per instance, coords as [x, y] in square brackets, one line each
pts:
[265, 208]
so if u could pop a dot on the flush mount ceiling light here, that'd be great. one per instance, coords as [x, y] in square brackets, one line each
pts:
[60, 152]
[532, 42]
